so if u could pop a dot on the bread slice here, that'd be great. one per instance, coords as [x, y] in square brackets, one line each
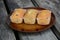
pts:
[30, 16]
[17, 15]
[44, 17]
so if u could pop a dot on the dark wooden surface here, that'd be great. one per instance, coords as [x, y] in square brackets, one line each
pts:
[12, 4]
[45, 35]
[8, 34]
[54, 6]
[5, 32]
[28, 3]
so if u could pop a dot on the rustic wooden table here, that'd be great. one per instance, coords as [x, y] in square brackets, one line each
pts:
[6, 33]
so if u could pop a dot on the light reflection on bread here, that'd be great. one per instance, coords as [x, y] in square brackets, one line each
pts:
[44, 17]
[30, 16]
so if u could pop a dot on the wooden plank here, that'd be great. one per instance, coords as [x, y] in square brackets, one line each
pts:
[45, 35]
[54, 6]
[3, 13]
[5, 32]
[12, 4]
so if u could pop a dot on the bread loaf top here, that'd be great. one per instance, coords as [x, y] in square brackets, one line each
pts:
[19, 14]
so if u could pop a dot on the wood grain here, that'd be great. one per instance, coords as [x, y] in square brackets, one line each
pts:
[45, 35]
[54, 6]
[5, 32]
[12, 4]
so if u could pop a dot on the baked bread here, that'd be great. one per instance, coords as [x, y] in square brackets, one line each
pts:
[17, 15]
[44, 17]
[30, 16]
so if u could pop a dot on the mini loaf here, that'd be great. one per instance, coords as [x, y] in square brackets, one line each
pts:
[17, 15]
[30, 16]
[44, 17]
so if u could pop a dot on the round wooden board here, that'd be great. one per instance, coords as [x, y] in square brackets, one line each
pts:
[32, 27]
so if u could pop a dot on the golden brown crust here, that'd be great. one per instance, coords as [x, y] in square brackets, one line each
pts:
[30, 16]
[17, 15]
[44, 17]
